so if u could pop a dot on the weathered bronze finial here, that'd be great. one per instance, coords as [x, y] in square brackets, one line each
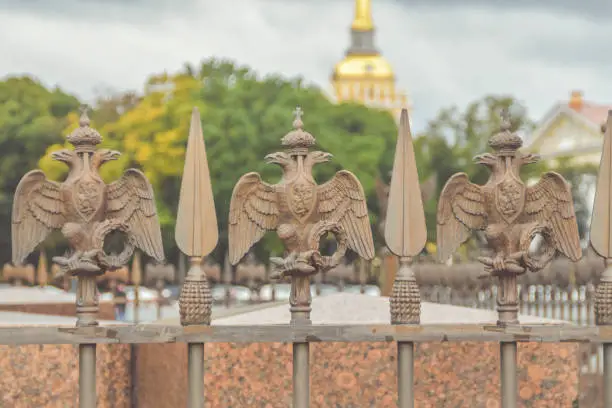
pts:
[301, 213]
[196, 231]
[511, 215]
[601, 229]
[405, 229]
[86, 210]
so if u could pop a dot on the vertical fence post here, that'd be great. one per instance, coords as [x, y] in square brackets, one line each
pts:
[86, 311]
[302, 213]
[301, 375]
[512, 215]
[508, 374]
[196, 235]
[195, 375]
[405, 236]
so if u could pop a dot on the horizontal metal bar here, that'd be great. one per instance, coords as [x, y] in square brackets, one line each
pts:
[148, 333]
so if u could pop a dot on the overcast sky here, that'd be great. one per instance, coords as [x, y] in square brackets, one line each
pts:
[445, 52]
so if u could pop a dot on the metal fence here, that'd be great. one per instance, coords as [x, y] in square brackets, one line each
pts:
[510, 214]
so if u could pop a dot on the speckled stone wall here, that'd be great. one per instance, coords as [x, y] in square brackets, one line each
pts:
[36, 376]
[358, 375]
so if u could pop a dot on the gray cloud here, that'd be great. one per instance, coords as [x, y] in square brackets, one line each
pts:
[588, 9]
[443, 55]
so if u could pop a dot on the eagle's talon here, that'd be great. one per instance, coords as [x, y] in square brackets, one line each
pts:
[300, 264]
[499, 265]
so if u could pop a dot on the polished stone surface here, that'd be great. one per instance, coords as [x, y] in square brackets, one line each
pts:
[358, 374]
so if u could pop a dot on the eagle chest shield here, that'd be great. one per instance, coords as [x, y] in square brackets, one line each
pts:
[510, 197]
[301, 197]
[88, 196]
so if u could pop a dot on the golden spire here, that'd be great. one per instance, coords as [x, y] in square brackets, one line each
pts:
[363, 16]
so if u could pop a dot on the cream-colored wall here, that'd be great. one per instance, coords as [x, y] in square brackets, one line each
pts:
[565, 137]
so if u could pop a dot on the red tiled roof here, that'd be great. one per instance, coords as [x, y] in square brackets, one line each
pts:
[594, 112]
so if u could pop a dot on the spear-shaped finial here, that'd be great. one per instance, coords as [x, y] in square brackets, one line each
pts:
[601, 228]
[405, 229]
[196, 230]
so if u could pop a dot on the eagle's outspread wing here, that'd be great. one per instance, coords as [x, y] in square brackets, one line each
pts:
[461, 208]
[550, 203]
[253, 211]
[37, 210]
[131, 202]
[342, 200]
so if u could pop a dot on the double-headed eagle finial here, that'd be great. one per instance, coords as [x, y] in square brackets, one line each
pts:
[511, 215]
[301, 212]
[86, 210]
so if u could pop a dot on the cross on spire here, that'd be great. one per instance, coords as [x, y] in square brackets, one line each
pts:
[84, 119]
[505, 119]
[297, 122]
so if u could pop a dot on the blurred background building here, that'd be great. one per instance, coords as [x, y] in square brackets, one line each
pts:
[364, 75]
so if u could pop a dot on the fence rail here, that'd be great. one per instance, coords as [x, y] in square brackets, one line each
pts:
[151, 333]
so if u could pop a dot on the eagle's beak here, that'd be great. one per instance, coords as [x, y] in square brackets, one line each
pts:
[271, 158]
[325, 157]
[113, 155]
[58, 155]
[531, 158]
[486, 159]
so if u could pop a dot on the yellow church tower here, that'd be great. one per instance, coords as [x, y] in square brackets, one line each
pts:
[363, 75]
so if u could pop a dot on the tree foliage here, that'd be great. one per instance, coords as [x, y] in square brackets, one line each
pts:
[244, 116]
[243, 119]
[32, 117]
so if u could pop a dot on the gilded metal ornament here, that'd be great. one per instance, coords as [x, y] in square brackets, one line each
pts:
[301, 212]
[511, 216]
[86, 210]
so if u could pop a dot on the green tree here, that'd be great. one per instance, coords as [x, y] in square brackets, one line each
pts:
[32, 117]
[243, 119]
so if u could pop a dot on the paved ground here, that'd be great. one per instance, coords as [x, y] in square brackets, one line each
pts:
[19, 318]
[349, 308]
[335, 308]
[49, 294]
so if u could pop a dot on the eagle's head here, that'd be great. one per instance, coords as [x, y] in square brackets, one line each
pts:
[319, 157]
[65, 156]
[486, 159]
[102, 156]
[281, 158]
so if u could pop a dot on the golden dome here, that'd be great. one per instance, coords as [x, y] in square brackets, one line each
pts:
[363, 16]
[363, 66]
